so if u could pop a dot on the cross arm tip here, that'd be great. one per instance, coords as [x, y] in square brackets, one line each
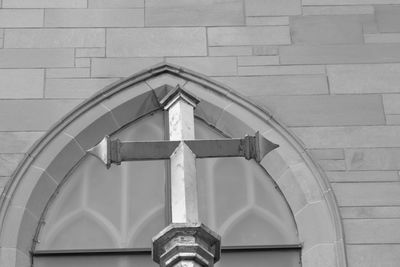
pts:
[102, 151]
[263, 146]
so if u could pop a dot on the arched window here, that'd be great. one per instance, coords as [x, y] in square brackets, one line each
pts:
[119, 210]
[64, 208]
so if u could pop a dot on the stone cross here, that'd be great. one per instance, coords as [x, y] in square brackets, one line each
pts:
[185, 242]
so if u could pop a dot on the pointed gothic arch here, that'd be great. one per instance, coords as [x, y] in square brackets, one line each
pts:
[41, 173]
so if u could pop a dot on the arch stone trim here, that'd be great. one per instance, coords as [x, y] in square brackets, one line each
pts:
[49, 161]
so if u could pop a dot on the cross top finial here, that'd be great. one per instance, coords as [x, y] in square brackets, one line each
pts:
[178, 94]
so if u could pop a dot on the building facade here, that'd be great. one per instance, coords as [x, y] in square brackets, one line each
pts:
[319, 78]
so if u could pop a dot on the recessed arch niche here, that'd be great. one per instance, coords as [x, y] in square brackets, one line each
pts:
[52, 158]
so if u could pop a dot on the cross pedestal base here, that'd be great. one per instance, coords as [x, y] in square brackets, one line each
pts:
[186, 245]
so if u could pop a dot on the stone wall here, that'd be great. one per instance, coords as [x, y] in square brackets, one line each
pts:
[329, 69]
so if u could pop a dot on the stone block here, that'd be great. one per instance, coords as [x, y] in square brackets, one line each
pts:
[120, 67]
[332, 164]
[333, 153]
[338, 10]
[272, 7]
[363, 176]
[267, 21]
[367, 194]
[315, 225]
[391, 103]
[348, 2]
[21, 83]
[60, 156]
[277, 85]
[324, 110]
[382, 38]
[116, 3]
[393, 119]
[373, 159]
[326, 29]
[372, 78]
[258, 60]
[262, 35]
[388, 18]
[90, 128]
[54, 38]
[36, 58]
[336, 54]
[44, 4]
[370, 255]
[341, 137]
[90, 52]
[8, 163]
[194, 13]
[154, 42]
[21, 18]
[17, 142]
[82, 62]
[68, 73]
[94, 18]
[74, 88]
[320, 255]
[230, 51]
[210, 66]
[166, 79]
[38, 114]
[263, 50]
[14, 257]
[370, 231]
[281, 70]
[370, 212]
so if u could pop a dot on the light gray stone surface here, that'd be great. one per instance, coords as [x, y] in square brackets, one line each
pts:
[90, 52]
[391, 102]
[120, 67]
[382, 38]
[348, 2]
[387, 255]
[74, 88]
[277, 85]
[8, 162]
[373, 159]
[230, 51]
[380, 231]
[264, 50]
[211, 66]
[363, 176]
[194, 13]
[54, 38]
[363, 78]
[44, 3]
[267, 35]
[17, 142]
[38, 115]
[36, 58]
[272, 7]
[337, 10]
[336, 54]
[339, 137]
[370, 212]
[94, 18]
[334, 153]
[332, 164]
[153, 42]
[267, 21]
[258, 60]
[21, 83]
[393, 119]
[281, 70]
[115, 3]
[388, 18]
[326, 29]
[324, 110]
[82, 62]
[68, 73]
[367, 194]
[21, 18]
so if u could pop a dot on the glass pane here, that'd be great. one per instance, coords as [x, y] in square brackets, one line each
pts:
[239, 200]
[232, 259]
[115, 208]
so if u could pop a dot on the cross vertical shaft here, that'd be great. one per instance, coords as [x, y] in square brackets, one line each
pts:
[184, 208]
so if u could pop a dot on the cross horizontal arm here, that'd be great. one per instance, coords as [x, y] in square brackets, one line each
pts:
[115, 151]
